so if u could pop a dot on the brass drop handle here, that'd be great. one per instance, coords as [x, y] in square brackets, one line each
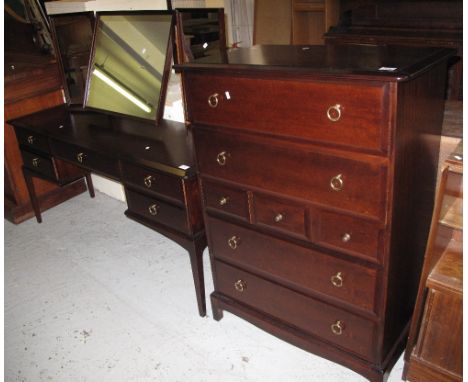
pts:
[213, 100]
[240, 285]
[279, 218]
[334, 113]
[337, 183]
[234, 242]
[346, 237]
[153, 209]
[221, 158]
[36, 162]
[31, 139]
[148, 181]
[80, 157]
[337, 328]
[223, 201]
[337, 280]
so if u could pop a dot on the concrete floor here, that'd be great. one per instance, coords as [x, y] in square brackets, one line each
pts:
[93, 296]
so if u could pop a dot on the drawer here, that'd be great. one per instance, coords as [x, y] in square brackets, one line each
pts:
[86, 158]
[279, 215]
[293, 265]
[226, 199]
[152, 180]
[39, 163]
[349, 114]
[346, 233]
[30, 139]
[158, 211]
[355, 183]
[324, 321]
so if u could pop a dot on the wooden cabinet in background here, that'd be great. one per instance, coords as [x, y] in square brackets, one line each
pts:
[434, 351]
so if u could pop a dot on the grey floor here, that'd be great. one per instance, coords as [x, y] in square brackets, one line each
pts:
[93, 296]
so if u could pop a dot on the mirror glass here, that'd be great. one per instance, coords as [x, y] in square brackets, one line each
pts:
[200, 33]
[129, 69]
[73, 36]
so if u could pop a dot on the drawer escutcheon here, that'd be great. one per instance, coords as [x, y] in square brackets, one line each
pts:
[334, 113]
[213, 100]
[240, 285]
[221, 158]
[234, 242]
[337, 328]
[153, 209]
[337, 280]
[336, 183]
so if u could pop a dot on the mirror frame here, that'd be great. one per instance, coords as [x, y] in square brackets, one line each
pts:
[179, 56]
[160, 102]
[58, 53]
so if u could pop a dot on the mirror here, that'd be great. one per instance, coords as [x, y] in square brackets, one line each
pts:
[200, 33]
[73, 36]
[130, 63]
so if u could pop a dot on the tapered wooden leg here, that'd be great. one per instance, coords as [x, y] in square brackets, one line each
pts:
[89, 182]
[196, 261]
[32, 195]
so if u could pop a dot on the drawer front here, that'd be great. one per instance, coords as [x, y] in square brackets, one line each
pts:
[293, 265]
[352, 184]
[158, 211]
[154, 181]
[33, 140]
[329, 323]
[350, 114]
[346, 233]
[226, 199]
[39, 163]
[279, 215]
[86, 158]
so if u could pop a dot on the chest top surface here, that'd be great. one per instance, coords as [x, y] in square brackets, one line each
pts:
[391, 63]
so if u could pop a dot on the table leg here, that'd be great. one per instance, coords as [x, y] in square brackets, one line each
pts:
[32, 194]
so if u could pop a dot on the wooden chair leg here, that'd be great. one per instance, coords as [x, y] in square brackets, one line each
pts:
[32, 195]
[89, 182]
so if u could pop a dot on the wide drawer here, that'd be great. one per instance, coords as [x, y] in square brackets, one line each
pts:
[32, 140]
[293, 265]
[328, 323]
[226, 199]
[39, 163]
[152, 180]
[352, 183]
[350, 114]
[156, 210]
[86, 158]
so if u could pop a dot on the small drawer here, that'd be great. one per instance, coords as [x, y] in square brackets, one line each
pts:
[38, 163]
[295, 266]
[158, 211]
[35, 141]
[327, 322]
[226, 199]
[152, 180]
[279, 215]
[348, 114]
[346, 233]
[350, 182]
[86, 158]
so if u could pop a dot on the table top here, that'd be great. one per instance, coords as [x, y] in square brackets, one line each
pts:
[393, 63]
[167, 147]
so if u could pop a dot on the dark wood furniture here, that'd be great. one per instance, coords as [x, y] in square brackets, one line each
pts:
[318, 170]
[155, 166]
[435, 346]
[413, 23]
[32, 83]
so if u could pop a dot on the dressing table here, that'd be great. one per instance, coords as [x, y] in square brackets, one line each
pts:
[318, 187]
[120, 134]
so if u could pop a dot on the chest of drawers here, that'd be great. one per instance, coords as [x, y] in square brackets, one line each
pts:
[318, 177]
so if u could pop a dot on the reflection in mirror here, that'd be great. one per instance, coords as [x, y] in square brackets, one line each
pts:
[130, 63]
[73, 35]
[200, 33]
